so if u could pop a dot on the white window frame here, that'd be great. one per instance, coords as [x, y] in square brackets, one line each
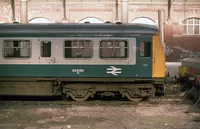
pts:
[187, 24]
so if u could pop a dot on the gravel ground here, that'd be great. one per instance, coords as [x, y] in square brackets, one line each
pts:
[98, 115]
[161, 113]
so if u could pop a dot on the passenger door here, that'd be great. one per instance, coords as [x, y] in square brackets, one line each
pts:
[46, 53]
[145, 57]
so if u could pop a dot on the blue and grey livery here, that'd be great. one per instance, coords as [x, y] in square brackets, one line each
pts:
[79, 60]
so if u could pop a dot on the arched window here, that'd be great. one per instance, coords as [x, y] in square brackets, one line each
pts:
[40, 20]
[90, 20]
[143, 20]
[191, 26]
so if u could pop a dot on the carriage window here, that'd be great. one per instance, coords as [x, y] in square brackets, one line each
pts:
[113, 49]
[145, 49]
[17, 49]
[78, 49]
[45, 49]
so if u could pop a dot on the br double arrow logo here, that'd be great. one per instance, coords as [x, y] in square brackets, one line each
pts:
[114, 71]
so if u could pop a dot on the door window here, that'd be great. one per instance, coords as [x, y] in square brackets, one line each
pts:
[145, 49]
[45, 49]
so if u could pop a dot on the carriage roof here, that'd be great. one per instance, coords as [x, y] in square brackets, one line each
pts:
[62, 30]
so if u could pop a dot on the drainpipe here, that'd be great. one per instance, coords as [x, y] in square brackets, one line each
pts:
[13, 10]
[23, 11]
[64, 10]
[161, 28]
[169, 9]
[124, 11]
[116, 5]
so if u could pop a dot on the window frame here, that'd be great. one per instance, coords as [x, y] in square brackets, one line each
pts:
[78, 58]
[18, 58]
[41, 48]
[113, 58]
[151, 52]
[185, 26]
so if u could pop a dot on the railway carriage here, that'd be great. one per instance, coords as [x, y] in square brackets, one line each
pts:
[81, 60]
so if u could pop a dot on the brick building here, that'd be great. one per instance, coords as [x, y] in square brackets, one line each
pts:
[179, 20]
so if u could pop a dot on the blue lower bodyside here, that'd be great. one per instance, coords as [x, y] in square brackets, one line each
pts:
[62, 70]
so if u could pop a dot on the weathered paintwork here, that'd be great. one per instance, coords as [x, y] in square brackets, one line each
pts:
[158, 59]
[110, 74]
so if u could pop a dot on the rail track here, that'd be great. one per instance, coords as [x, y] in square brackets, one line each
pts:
[107, 102]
